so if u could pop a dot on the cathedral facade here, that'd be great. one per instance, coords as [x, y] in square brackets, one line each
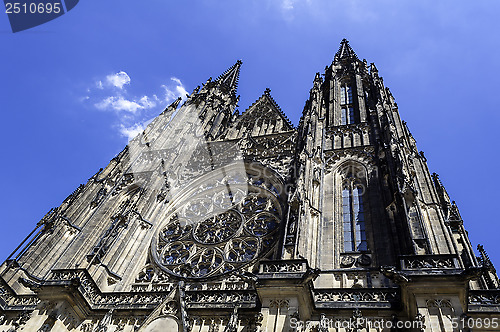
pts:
[211, 220]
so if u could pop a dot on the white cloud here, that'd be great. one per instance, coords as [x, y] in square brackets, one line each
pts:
[146, 102]
[122, 104]
[132, 111]
[287, 4]
[176, 80]
[118, 80]
[174, 92]
[102, 105]
[287, 8]
[132, 131]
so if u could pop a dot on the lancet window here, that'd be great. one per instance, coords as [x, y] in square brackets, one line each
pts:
[347, 115]
[353, 214]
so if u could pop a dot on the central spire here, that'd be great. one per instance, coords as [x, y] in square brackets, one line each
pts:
[345, 51]
[229, 79]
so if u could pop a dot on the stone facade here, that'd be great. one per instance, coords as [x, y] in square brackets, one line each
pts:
[211, 220]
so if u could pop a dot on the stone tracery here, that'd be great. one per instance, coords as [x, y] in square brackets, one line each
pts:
[222, 241]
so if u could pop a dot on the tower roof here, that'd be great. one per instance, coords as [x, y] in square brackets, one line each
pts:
[229, 79]
[345, 51]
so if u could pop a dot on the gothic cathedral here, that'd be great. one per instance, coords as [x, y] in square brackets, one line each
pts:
[211, 220]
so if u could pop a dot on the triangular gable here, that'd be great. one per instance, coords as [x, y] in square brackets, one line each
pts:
[263, 117]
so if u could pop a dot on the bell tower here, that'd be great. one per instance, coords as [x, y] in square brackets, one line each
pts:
[365, 203]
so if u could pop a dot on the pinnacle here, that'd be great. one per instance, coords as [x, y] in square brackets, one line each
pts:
[172, 106]
[229, 79]
[345, 51]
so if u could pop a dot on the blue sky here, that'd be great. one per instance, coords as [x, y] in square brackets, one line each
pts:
[74, 89]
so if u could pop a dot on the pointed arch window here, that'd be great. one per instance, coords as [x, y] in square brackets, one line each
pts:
[353, 215]
[345, 95]
[347, 112]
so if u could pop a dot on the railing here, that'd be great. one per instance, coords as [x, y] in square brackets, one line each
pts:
[221, 299]
[283, 267]
[356, 298]
[484, 300]
[420, 262]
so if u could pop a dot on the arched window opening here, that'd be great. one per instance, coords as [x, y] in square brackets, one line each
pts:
[345, 95]
[353, 215]
[347, 115]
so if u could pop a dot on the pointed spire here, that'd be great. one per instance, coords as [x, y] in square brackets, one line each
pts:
[229, 79]
[485, 259]
[172, 106]
[345, 51]
[175, 104]
[317, 80]
[373, 69]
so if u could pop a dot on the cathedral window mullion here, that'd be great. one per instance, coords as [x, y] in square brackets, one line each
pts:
[353, 216]
[347, 111]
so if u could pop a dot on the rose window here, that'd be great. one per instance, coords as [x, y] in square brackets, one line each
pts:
[218, 228]
[226, 237]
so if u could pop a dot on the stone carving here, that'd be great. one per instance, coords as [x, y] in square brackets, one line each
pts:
[101, 194]
[364, 260]
[438, 303]
[21, 319]
[150, 273]
[120, 327]
[232, 325]
[93, 295]
[429, 262]
[484, 297]
[69, 200]
[347, 261]
[87, 327]
[363, 154]
[126, 180]
[225, 241]
[170, 308]
[104, 323]
[204, 298]
[120, 221]
[356, 295]
[283, 267]
[17, 301]
[279, 303]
